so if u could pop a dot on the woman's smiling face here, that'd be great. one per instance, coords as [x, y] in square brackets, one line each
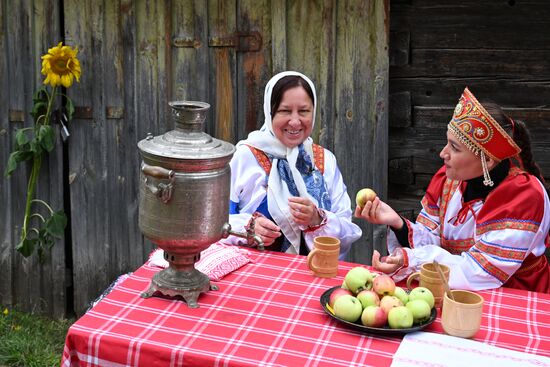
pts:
[292, 122]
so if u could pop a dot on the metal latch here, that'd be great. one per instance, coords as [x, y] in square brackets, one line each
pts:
[242, 41]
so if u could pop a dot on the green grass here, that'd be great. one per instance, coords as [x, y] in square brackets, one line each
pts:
[28, 340]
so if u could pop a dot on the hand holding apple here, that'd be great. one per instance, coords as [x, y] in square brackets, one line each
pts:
[363, 196]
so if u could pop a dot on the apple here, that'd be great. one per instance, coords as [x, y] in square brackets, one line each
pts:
[363, 196]
[400, 318]
[422, 293]
[384, 285]
[338, 292]
[420, 310]
[401, 294]
[374, 316]
[389, 302]
[368, 298]
[358, 278]
[348, 308]
[344, 286]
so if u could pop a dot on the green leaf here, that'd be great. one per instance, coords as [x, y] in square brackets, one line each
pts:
[26, 246]
[41, 95]
[46, 137]
[35, 147]
[69, 109]
[38, 109]
[21, 137]
[55, 225]
[14, 159]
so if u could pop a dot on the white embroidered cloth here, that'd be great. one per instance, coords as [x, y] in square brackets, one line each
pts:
[216, 261]
[438, 350]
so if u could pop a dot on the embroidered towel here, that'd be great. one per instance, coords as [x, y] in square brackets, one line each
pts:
[216, 261]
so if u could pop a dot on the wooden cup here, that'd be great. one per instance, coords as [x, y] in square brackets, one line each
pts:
[462, 317]
[429, 278]
[323, 259]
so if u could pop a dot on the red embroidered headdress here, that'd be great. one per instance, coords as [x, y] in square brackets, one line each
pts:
[479, 131]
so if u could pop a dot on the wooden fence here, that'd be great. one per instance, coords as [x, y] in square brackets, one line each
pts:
[137, 55]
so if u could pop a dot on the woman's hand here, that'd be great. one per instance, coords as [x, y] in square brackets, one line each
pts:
[304, 212]
[267, 230]
[378, 212]
[388, 264]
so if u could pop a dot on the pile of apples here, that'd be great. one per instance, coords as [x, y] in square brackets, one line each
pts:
[375, 301]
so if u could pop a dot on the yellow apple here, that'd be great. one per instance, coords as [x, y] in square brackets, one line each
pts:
[364, 195]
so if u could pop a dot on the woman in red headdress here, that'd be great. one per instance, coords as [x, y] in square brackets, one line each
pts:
[486, 213]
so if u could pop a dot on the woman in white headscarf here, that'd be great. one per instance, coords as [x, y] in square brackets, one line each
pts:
[290, 187]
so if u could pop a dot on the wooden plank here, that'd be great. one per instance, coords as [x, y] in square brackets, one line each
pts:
[190, 65]
[361, 107]
[512, 91]
[31, 30]
[278, 36]
[222, 19]
[253, 67]
[424, 140]
[473, 24]
[475, 62]
[7, 225]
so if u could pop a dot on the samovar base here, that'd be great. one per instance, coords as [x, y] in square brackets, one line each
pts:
[186, 284]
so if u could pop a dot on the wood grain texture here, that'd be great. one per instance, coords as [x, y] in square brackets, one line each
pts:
[31, 28]
[500, 50]
[136, 56]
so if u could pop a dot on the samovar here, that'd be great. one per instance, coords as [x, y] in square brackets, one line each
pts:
[184, 199]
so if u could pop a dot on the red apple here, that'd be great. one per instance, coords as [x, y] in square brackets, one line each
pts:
[374, 316]
[384, 285]
[368, 298]
[389, 302]
[338, 292]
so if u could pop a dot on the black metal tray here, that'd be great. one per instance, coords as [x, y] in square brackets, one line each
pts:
[374, 330]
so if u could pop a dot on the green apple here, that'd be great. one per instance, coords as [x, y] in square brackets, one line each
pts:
[420, 309]
[348, 308]
[357, 279]
[368, 298]
[401, 294]
[363, 196]
[337, 293]
[400, 318]
[422, 293]
[384, 285]
[374, 316]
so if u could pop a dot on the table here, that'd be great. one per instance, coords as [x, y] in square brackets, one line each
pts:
[267, 313]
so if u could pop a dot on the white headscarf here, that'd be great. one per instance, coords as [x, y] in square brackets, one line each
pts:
[277, 190]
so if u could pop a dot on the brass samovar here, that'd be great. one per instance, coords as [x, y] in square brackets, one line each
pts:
[184, 199]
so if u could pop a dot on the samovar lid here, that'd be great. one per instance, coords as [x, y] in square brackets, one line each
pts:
[187, 140]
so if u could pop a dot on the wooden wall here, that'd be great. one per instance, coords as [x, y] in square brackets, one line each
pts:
[137, 55]
[499, 49]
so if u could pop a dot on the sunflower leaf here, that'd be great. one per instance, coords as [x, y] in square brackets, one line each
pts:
[46, 137]
[55, 225]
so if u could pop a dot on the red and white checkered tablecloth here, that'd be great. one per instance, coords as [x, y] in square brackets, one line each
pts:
[268, 313]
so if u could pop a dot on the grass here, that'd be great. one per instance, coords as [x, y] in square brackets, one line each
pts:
[29, 340]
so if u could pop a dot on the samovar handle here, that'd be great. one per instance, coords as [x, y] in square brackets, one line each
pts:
[163, 191]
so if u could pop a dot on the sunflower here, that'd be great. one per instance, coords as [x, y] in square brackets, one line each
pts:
[61, 66]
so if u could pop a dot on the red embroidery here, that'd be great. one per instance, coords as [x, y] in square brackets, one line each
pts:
[490, 268]
[265, 163]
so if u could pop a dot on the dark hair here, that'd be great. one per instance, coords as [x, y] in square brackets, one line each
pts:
[284, 84]
[519, 132]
